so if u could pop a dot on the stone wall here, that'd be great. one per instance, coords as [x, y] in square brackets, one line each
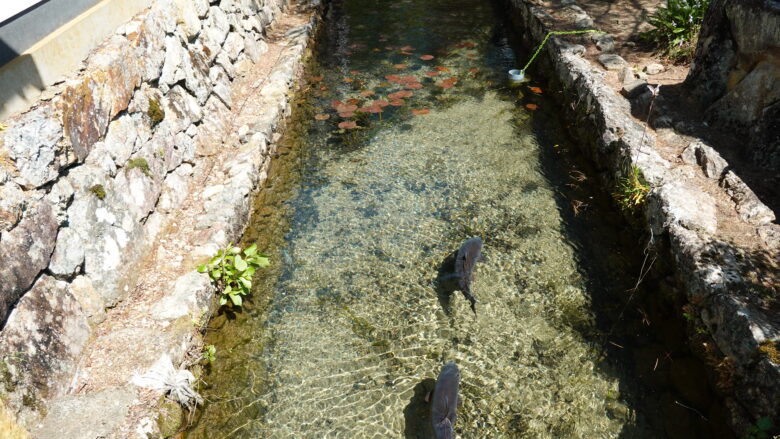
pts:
[722, 281]
[90, 174]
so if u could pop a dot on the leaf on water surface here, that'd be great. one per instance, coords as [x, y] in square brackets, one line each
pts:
[381, 103]
[473, 70]
[384, 84]
[442, 69]
[317, 79]
[531, 107]
[354, 101]
[397, 102]
[414, 85]
[324, 87]
[347, 114]
[432, 73]
[536, 90]
[354, 72]
[407, 49]
[427, 57]
[348, 125]
[471, 55]
[348, 79]
[406, 53]
[399, 66]
[420, 111]
[322, 116]
[367, 93]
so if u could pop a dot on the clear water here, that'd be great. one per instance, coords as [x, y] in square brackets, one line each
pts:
[346, 332]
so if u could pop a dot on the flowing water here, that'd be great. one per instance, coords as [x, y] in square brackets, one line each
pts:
[346, 332]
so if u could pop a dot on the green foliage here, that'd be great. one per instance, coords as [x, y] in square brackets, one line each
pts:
[677, 26]
[632, 190]
[760, 430]
[141, 164]
[155, 112]
[233, 272]
[98, 190]
[210, 353]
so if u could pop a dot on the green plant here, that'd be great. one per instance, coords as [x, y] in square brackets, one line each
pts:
[141, 164]
[632, 189]
[210, 353]
[233, 273]
[760, 430]
[677, 26]
[155, 112]
[98, 190]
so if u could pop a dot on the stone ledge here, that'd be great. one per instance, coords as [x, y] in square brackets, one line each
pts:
[710, 271]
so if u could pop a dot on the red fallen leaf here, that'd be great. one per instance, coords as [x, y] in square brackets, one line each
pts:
[389, 47]
[317, 79]
[347, 114]
[420, 111]
[322, 116]
[399, 66]
[348, 125]
[442, 69]
[536, 90]
[345, 108]
[354, 72]
[469, 44]
[406, 53]
[426, 57]
[336, 104]
[353, 101]
[432, 73]
[381, 103]
[401, 94]
[324, 87]
[407, 49]
[531, 106]
[414, 85]
[348, 79]
[370, 109]
[445, 84]
[397, 102]
[408, 78]
[384, 84]
[393, 78]
[367, 93]
[473, 70]
[471, 55]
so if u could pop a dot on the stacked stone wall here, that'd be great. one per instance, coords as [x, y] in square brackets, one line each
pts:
[89, 175]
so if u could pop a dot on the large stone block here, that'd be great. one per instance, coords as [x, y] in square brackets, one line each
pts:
[26, 251]
[12, 205]
[34, 142]
[43, 338]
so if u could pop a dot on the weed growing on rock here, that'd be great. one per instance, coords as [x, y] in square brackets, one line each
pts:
[210, 353]
[155, 113]
[632, 189]
[98, 190]
[141, 164]
[233, 273]
[677, 27]
[760, 430]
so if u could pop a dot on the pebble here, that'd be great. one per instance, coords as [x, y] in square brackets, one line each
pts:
[654, 68]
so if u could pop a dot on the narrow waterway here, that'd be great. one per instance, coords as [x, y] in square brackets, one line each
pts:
[346, 332]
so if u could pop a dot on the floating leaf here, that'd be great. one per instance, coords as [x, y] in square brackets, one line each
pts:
[381, 103]
[347, 114]
[348, 125]
[420, 111]
[536, 90]
[414, 85]
[384, 84]
[317, 79]
[473, 70]
[406, 53]
[354, 72]
[432, 73]
[471, 55]
[367, 93]
[427, 57]
[397, 102]
[407, 48]
[322, 116]
[348, 79]
[442, 69]
[531, 107]
[324, 87]
[353, 101]
[399, 66]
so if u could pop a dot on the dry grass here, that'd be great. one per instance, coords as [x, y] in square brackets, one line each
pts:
[9, 429]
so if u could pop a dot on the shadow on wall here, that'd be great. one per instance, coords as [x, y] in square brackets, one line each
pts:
[21, 80]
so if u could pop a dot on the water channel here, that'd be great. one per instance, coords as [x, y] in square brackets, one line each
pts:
[347, 330]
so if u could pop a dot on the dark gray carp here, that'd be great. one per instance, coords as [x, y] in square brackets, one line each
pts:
[468, 255]
[445, 402]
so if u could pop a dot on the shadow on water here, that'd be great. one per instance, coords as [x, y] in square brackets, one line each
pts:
[417, 414]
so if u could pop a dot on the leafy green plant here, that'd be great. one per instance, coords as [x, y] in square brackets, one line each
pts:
[760, 430]
[233, 272]
[210, 353]
[98, 190]
[677, 26]
[139, 163]
[632, 189]
[155, 112]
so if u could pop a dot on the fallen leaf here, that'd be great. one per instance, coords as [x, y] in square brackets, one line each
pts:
[473, 70]
[536, 90]
[346, 114]
[322, 116]
[367, 93]
[354, 72]
[420, 111]
[426, 57]
[348, 79]
[442, 69]
[353, 101]
[381, 103]
[399, 66]
[317, 79]
[348, 125]
[431, 73]
[531, 107]
[397, 102]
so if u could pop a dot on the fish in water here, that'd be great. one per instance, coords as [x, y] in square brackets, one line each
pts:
[445, 401]
[468, 255]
